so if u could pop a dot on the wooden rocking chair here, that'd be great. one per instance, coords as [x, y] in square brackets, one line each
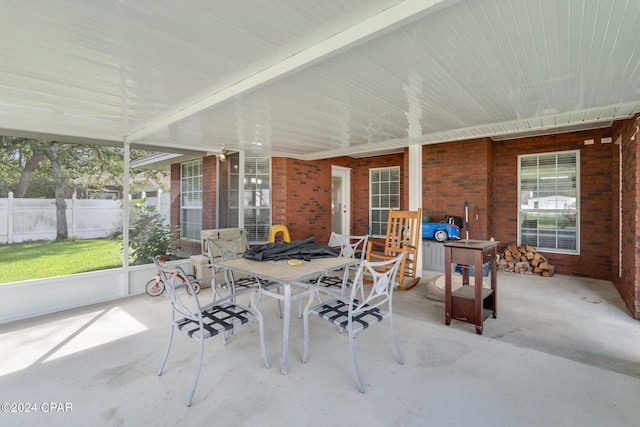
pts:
[403, 234]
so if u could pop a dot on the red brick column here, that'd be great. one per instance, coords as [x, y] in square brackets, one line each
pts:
[629, 283]
[209, 192]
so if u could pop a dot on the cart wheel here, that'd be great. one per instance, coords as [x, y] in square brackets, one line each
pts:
[441, 235]
[154, 287]
[196, 285]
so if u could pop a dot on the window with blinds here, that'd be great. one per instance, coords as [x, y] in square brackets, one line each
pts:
[548, 214]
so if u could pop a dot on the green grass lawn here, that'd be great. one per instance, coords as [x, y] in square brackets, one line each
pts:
[34, 260]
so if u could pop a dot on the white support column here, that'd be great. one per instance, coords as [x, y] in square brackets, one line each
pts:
[74, 214]
[10, 216]
[217, 190]
[126, 214]
[241, 189]
[415, 190]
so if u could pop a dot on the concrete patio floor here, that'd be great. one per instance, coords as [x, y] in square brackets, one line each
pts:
[564, 351]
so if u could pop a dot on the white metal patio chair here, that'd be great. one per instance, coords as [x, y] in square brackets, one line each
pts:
[220, 317]
[229, 249]
[362, 309]
[350, 247]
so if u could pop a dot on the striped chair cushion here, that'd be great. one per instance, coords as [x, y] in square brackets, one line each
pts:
[247, 282]
[330, 281]
[216, 319]
[337, 312]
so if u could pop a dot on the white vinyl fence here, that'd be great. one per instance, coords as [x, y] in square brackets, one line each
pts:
[23, 220]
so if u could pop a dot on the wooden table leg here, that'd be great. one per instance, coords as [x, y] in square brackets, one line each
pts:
[478, 285]
[447, 286]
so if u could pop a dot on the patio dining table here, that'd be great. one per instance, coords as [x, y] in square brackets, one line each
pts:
[286, 275]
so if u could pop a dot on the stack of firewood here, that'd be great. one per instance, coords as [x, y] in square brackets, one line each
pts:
[524, 259]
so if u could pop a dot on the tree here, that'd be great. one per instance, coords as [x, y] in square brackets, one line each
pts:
[51, 169]
[30, 166]
[17, 164]
[62, 231]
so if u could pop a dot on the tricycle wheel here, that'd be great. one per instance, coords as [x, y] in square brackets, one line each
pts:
[196, 285]
[154, 287]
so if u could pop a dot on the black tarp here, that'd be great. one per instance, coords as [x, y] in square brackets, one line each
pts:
[298, 249]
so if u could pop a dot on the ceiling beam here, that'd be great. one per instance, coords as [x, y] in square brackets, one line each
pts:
[387, 20]
[19, 133]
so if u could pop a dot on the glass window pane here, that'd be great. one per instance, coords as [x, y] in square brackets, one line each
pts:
[384, 184]
[394, 174]
[549, 201]
[257, 198]
[191, 200]
[234, 197]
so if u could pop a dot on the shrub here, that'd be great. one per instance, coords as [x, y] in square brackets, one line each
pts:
[149, 235]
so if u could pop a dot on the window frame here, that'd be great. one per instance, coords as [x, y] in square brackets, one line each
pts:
[194, 189]
[378, 215]
[567, 212]
[253, 234]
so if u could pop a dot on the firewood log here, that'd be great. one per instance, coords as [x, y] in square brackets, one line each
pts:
[537, 258]
[526, 260]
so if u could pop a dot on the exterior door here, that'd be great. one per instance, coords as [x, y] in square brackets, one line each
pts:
[340, 199]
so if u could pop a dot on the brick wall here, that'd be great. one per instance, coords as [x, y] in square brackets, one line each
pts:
[596, 210]
[454, 173]
[484, 173]
[628, 282]
[302, 193]
[360, 186]
[209, 192]
[279, 190]
[302, 197]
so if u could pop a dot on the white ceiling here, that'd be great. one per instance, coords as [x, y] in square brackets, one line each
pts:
[314, 79]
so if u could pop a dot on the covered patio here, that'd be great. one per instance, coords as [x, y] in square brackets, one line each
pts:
[388, 83]
[309, 81]
[563, 352]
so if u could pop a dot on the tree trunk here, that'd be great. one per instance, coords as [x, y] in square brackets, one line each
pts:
[25, 177]
[62, 233]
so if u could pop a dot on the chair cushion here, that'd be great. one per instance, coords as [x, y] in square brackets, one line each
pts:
[337, 312]
[247, 282]
[330, 281]
[216, 319]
